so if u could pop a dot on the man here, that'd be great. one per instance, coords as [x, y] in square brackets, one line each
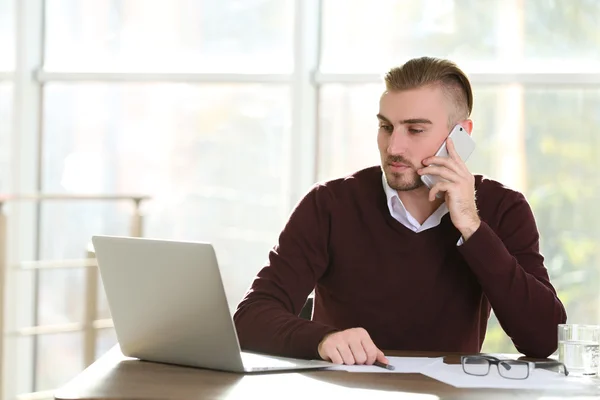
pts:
[394, 266]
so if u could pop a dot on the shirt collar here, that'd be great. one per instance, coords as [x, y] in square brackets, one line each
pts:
[389, 192]
[396, 206]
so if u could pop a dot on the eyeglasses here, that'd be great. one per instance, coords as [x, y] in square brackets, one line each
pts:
[512, 369]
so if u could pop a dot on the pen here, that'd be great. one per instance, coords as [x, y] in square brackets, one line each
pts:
[382, 365]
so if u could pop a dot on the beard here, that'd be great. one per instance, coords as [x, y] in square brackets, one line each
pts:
[401, 181]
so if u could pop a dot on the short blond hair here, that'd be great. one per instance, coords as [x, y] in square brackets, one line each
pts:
[425, 71]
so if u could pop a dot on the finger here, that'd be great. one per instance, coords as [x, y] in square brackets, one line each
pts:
[454, 155]
[443, 162]
[437, 188]
[381, 357]
[346, 353]
[370, 350]
[442, 172]
[333, 355]
[452, 149]
[358, 352]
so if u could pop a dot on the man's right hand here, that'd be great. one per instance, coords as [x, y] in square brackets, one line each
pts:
[352, 346]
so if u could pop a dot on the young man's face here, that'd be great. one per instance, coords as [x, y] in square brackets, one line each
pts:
[413, 124]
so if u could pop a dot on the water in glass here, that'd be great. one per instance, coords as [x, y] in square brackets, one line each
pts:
[581, 356]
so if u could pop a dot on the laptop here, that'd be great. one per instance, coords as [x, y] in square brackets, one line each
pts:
[168, 305]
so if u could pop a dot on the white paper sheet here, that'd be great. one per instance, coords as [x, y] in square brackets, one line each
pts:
[538, 379]
[403, 365]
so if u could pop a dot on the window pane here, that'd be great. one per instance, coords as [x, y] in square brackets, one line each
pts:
[105, 341]
[563, 160]
[562, 29]
[347, 128]
[61, 295]
[59, 359]
[174, 35]
[5, 135]
[211, 157]
[103, 309]
[19, 376]
[66, 230]
[510, 34]
[7, 35]
[543, 142]
[562, 157]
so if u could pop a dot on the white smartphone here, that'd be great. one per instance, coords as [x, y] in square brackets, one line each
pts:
[464, 145]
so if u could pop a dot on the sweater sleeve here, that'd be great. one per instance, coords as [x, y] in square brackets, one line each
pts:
[267, 317]
[511, 271]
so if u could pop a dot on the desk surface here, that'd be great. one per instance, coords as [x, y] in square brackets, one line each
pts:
[114, 376]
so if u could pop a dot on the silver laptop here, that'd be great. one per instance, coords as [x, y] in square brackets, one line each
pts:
[168, 305]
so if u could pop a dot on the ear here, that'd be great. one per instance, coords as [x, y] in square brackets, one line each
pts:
[468, 125]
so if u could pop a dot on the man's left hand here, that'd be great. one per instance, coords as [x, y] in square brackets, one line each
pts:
[458, 185]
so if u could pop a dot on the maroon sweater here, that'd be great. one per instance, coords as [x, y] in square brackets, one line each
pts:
[410, 291]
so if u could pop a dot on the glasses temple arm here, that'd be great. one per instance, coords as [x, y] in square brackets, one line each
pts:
[550, 364]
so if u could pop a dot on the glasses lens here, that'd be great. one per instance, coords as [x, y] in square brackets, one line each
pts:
[476, 366]
[513, 369]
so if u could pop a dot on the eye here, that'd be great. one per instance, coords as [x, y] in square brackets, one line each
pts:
[415, 131]
[387, 128]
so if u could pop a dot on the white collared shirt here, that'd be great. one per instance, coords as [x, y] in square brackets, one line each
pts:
[401, 214]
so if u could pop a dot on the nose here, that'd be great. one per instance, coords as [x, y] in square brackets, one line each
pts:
[397, 142]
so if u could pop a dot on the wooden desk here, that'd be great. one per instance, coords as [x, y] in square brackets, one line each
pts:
[114, 376]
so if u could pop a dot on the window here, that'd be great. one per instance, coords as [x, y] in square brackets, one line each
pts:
[209, 153]
[197, 103]
[169, 36]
